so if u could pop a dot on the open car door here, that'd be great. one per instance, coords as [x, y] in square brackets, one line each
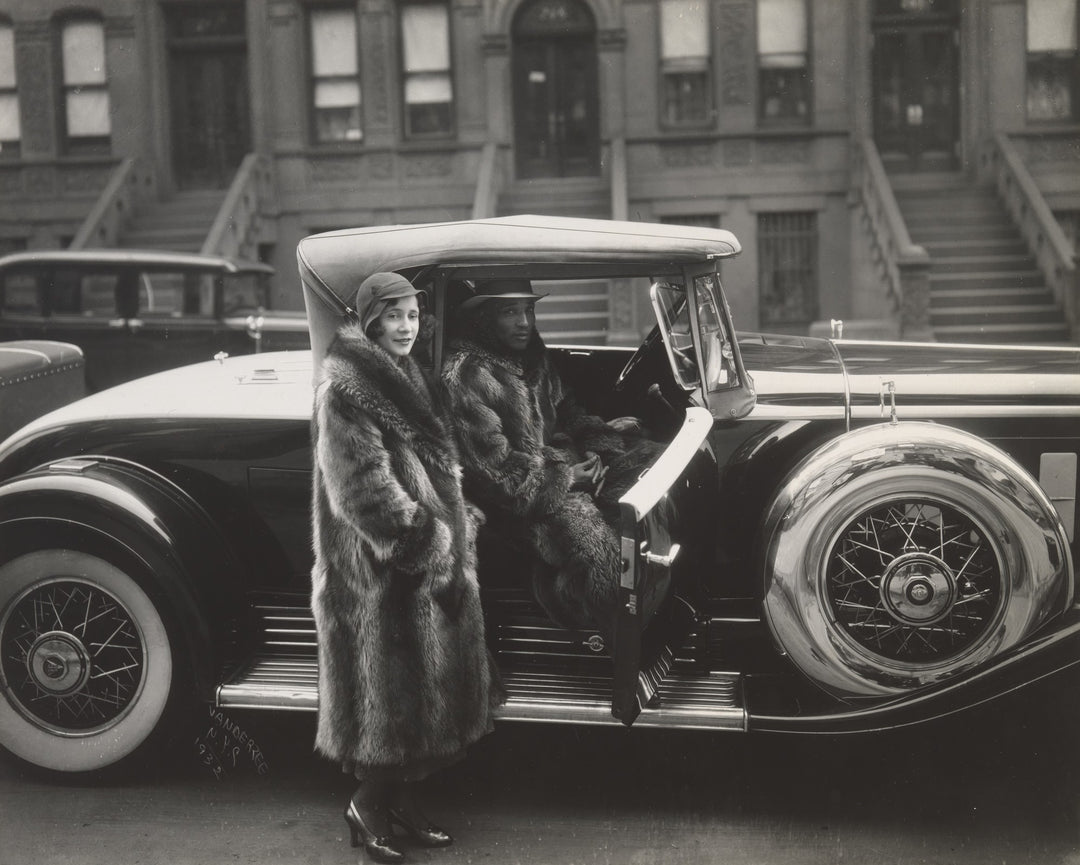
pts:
[663, 541]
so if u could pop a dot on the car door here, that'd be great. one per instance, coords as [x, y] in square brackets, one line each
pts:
[665, 542]
[668, 517]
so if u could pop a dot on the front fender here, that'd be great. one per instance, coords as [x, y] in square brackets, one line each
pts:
[119, 506]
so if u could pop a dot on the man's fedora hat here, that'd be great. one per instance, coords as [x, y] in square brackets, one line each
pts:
[503, 288]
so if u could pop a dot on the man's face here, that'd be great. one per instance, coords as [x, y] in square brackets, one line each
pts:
[514, 322]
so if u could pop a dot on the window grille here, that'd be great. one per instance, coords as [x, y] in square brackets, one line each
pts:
[787, 263]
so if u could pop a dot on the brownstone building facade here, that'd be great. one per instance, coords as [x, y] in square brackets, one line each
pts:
[821, 132]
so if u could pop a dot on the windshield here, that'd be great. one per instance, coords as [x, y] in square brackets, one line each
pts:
[676, 327]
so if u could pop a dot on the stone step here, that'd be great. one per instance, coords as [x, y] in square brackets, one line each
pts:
[941, 298]
[987, 279]
[1045, 313]
[982, 264]
[952, 248]
[1004, 333]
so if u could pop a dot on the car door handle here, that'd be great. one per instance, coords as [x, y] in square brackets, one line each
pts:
[663, 561]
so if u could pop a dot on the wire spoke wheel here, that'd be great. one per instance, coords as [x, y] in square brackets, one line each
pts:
[86, 661]
[72, 656]
[913, 581]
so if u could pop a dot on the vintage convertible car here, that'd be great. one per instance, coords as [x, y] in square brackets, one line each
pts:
[838, 536]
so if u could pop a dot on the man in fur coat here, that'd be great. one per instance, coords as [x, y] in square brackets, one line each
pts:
[405, 678]
[532, 457]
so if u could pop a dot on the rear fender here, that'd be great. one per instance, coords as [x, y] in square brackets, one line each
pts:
[125, 510]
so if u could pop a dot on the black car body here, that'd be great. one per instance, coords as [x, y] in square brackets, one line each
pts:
[135, 312]
[839, 536]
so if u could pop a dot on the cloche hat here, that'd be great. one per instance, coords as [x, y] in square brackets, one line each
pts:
[377, 291]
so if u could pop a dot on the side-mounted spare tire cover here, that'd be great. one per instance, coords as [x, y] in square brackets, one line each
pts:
[898, 555]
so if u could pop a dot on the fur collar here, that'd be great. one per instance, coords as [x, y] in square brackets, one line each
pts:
[396, 392]
[472, 349]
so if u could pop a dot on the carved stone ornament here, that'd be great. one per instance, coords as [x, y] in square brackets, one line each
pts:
[329, 172]
[738, 152]
[784, 152]
[427, 165]
[688, 155]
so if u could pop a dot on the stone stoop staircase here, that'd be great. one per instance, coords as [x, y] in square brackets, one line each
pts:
[177, 224]
[575, 312]
[984, 284]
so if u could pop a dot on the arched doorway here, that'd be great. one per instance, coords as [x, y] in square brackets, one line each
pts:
[916, 73]
[208, 91]
[556, 113]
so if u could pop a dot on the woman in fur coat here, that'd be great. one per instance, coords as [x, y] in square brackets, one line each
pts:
[406, 682]
[535, 460]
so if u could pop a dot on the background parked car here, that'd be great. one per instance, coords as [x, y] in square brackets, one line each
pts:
[134, 312]
[37, 376]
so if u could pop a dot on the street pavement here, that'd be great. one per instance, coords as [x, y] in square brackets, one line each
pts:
[1000, 786]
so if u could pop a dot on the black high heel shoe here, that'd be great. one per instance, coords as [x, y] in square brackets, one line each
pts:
[379, 847]
[429, 835]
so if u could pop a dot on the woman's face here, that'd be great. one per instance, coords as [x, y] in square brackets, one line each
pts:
[514, 322]
[400, 322]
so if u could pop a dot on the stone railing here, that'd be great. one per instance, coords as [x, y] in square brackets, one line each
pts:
[236, 230]
[129, 187]
[487, 185]
[620, 194]
[1001, 162]
[906, 266]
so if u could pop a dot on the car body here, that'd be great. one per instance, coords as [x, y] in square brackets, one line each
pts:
[838, 536]
[135, 312]
[37, 376]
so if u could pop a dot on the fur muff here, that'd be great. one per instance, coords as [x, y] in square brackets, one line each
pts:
[405, 676]
[510, 423]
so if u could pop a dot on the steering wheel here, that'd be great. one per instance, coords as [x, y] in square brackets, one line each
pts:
[636, 358]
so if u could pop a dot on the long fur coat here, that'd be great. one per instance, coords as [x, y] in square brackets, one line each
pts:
[405, 676]
[519, 434]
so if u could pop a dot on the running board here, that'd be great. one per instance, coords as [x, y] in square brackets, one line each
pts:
[685, 700]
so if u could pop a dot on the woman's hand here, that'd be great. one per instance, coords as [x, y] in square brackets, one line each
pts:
[586, 473]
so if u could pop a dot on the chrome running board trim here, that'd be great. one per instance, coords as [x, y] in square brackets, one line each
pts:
[686, 700]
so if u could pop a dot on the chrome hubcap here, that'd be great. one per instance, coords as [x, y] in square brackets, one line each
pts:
[71, 656]
[913, 581]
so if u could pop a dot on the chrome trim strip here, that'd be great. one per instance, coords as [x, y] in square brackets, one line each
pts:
[657, 480]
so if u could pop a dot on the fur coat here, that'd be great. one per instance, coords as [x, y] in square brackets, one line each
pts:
[519, 433]
[405, 676]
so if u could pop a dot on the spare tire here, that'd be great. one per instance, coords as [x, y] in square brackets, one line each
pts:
[899, 555]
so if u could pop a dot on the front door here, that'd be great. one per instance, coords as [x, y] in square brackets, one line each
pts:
[556, 122]
[664, 545]
[916, 90]
[208, 92]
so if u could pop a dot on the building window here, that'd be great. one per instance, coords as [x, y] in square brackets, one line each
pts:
[425, 53]
[335, 75]
[10, 129]
[1053, 67]
[783, 62]
[87, 125]
[684, 63]
[787, 262]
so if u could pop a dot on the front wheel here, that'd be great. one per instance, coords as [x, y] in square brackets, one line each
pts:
[86, 661]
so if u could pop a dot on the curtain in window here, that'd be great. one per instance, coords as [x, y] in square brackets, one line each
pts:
[425, 38]
[10, 130]
[335, 68]
[87, 99]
